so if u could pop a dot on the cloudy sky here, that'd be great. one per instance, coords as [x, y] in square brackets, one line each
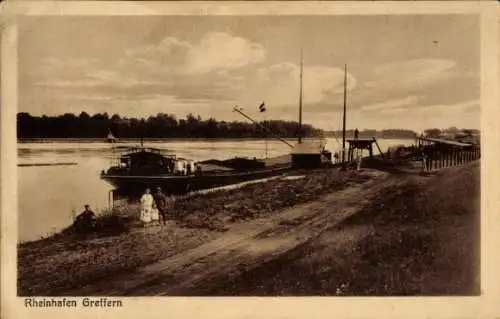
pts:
[410, 72]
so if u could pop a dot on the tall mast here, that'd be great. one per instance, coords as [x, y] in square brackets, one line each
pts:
[300, 96]
[343, 120]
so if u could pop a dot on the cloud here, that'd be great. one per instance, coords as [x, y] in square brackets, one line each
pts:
[279, 84]
[421, 116]
[67, 62]
[223, 51]
[444, 109]
[209, 75]
[170, 55]
[68, 83]
[416, 73]
[215, 51]
[392, 105]
[173, 67]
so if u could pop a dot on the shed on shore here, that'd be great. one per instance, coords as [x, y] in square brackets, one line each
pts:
[310, 154]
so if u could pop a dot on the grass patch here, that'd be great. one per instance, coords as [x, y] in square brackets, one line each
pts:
[258, 200]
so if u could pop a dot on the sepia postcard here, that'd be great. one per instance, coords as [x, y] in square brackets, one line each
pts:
[250, 159]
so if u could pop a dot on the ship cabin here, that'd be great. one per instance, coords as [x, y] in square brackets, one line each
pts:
[310, 154]
[144, 161]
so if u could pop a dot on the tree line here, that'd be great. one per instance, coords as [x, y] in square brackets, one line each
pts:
[369, 133]
[405, 133]
[160, 126]
[435, 132]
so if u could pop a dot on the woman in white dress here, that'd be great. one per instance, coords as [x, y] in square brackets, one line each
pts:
[146, 206]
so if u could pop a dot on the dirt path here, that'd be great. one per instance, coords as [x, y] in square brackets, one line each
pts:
[244, 247]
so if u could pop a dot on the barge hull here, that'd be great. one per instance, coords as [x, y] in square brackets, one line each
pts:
[176, 185]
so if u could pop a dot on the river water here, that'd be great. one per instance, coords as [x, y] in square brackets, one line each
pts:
[50, 196]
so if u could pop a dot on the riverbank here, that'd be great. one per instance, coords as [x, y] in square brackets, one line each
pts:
[257, 239]
[43, 265]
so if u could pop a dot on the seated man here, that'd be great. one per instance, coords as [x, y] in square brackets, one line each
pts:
[86, 221]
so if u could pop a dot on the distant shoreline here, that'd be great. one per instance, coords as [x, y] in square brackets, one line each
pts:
[103, 140]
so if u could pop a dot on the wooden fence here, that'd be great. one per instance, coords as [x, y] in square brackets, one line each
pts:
[438, 159]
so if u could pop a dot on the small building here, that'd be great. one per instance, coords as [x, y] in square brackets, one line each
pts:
[310, 154]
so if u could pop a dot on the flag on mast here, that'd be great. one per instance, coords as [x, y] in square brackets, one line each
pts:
[262, 107]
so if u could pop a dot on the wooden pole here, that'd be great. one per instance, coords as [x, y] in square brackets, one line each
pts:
[344, 116]
[435, 161]
[266, 142]
[431, 154]
[300, 96]
[235, 109]
[424, 160]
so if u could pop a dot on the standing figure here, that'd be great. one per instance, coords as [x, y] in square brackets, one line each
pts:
[184, 167]
[161, 204]
[178, 167]
[146, 206]
[356, 134]
[198, 169]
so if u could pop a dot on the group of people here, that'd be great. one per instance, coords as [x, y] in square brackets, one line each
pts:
[154, 207]
[183, 167]
[187, 168]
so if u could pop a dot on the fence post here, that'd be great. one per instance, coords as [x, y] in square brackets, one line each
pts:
[424, 163]
[431, 159]
[427, 162]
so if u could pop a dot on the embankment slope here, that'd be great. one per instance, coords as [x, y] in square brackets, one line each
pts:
[418, 237]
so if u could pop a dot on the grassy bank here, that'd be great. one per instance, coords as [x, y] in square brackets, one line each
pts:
[425, 239]
[420, 237]
[66, 260]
